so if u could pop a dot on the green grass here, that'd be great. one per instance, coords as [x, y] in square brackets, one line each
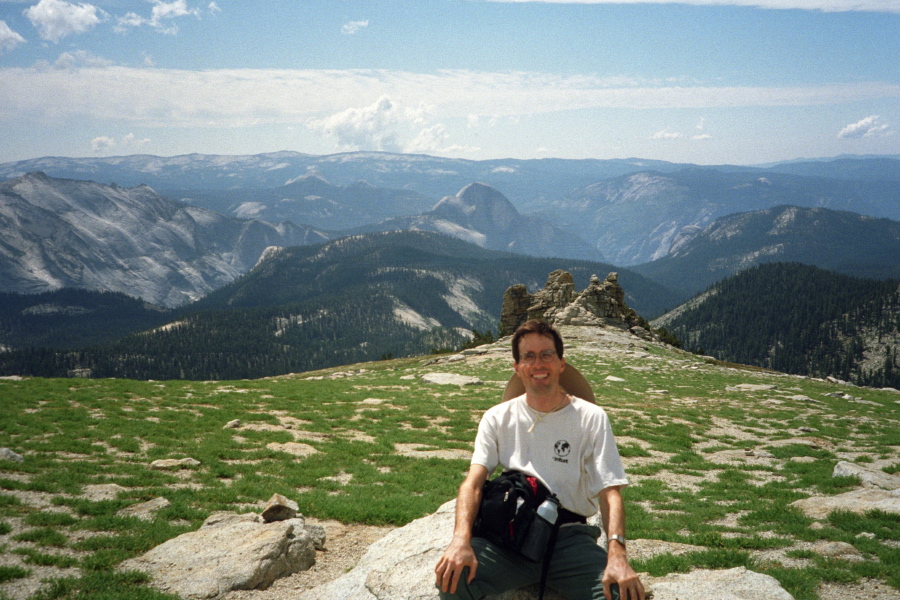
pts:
[8, 573]
[37, 558]
[43, 536]
[707, 559]
[77, 433]
[102, 586]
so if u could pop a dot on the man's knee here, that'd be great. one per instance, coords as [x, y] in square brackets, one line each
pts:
[464, 591]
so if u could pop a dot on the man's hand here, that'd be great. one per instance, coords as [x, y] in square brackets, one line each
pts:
[612, 511]
[457, 556]
[619, 571]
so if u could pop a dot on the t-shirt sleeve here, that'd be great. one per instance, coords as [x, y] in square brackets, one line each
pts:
[487, 450]
[604, 468]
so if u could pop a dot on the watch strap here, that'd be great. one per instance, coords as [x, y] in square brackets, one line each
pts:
[618, 538]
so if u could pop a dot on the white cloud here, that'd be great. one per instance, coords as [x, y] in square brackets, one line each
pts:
[102, 143]
[55, 19]
[886, 6]
[868, 127]
[9, 39]
[353, 27]
[372, 127]
[329, 100]
[80, 58]
[430, 140]
[129, 142]
[665, 134]
[161, 16]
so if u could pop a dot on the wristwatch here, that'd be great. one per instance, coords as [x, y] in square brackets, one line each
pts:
[618, 538]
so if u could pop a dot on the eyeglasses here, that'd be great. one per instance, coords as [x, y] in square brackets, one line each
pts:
[529, 358]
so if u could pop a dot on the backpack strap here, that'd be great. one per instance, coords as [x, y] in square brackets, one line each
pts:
[545, 568]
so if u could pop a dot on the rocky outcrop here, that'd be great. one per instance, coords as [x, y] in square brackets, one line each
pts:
[879, 491]
[7, 454]
[601, 303]
[233, 552]
[400, 566]
[734, 584]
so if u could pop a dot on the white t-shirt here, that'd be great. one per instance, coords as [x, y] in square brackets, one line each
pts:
[572, 451]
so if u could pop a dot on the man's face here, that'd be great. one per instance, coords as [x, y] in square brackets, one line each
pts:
[539, 366]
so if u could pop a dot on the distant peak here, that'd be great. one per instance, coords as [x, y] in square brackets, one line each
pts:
[308, 178]
[473, 196]
[475, 192]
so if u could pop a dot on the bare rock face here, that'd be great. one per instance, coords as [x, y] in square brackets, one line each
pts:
[514, 311]
[400, 566]
[870, 478]
[279, 508]
[601, 303]
[859, 501]
[734, 584]
[558, 292]
[229, 552]
[879, 491]
[60, 233]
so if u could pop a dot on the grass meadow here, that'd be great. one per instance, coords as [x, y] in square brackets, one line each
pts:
[713, 465]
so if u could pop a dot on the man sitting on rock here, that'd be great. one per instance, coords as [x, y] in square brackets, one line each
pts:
[567, 443]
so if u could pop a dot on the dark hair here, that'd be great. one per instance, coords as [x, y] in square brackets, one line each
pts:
[540, 328]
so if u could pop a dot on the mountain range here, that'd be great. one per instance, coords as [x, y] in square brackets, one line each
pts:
[839, 241]
[60, 233]
[635, 218]
[300, 308]
[286, 242]
[482, 215]
[628, 210]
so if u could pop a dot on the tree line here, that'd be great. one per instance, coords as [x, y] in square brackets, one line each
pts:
[799, 319]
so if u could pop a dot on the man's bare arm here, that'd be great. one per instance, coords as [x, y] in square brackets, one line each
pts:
[612, 511]
[459, 553]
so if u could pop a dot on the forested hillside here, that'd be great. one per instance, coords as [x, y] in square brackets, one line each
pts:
[73, 318]
[797, 319]
[840, 241]
[305, 308]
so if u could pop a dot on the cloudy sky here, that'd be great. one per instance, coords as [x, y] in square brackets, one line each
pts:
[702, 81]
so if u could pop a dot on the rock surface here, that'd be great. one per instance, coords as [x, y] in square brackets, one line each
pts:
[400, 566]
[450, 379]
[730, 584]
[868, 477]
[858, 501]
[229, 552]
[601, 303]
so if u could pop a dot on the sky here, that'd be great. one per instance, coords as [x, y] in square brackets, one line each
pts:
[699, 81]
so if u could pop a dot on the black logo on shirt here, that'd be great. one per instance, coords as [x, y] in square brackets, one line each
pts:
[561, 449]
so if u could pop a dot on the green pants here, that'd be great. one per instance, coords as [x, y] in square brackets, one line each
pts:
[576, 569]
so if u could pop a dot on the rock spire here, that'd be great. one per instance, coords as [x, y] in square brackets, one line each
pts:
[601, 303]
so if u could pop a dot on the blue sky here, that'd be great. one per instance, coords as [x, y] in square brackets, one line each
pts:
[702, 81]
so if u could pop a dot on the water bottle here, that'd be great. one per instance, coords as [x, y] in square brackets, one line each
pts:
[539, 535]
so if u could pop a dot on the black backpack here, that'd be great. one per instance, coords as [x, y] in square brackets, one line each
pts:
[508, 507]
[508, 513]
